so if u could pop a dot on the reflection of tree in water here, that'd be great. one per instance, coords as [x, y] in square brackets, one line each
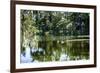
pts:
[76, 50]
[79, 50]
[59, 50]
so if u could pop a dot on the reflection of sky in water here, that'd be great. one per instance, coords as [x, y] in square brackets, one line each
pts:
[56, 51]
[26, 56]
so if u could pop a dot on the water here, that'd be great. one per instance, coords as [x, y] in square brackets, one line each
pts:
[58, 50]
[26, 56]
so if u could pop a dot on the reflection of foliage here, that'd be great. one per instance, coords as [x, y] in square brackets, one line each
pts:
[82, 49]
[75, 50]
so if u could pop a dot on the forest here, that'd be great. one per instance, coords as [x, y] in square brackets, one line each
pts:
[46, 30]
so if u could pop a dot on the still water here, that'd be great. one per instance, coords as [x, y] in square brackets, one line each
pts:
[65, 50]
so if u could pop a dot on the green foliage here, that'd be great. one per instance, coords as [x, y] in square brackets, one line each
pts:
[46, 24]
[55, 23]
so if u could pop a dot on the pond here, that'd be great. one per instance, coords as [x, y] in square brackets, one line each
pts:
[58, 50]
